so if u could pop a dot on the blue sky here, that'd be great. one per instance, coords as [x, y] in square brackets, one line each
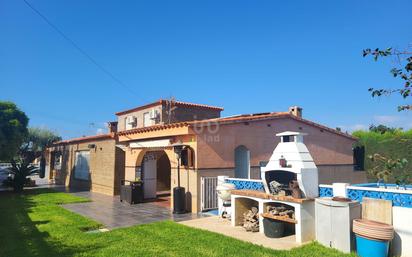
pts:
[247, 56]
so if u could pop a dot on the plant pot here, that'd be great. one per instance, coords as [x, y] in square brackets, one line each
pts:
[273, 228]
[372, 237]
[367, 247]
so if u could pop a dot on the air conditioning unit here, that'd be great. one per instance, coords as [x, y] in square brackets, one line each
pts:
[153, 114]
[131, 120]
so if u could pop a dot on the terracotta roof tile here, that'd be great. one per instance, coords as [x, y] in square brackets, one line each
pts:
[197, 105]
[234, 119]
[153, 128]
[85, 139]
[178, 103]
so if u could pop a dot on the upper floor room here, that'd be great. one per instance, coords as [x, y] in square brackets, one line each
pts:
[164, 112]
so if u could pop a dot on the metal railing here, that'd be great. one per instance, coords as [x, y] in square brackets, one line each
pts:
[208, 193]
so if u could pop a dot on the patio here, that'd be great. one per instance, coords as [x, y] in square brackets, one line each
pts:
[112, 213]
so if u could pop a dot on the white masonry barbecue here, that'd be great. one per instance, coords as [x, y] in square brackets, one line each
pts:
[290, 182]
[291, 160]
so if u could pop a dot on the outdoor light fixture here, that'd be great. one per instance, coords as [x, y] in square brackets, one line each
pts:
[179, 205]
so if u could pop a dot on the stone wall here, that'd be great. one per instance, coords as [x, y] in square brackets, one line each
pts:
[106, 166]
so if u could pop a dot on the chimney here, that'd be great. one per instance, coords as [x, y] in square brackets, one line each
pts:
[112, 125]
[296, 110]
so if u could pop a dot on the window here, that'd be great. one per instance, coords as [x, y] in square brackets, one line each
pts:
[126, 124]
[81, 167]
[147, 121]
[242, 162]
[359, 158]
[287, 139]
[57, 160]
[130, 122]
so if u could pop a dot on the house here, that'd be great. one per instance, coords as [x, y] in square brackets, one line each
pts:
[236, 146]
[92, 163]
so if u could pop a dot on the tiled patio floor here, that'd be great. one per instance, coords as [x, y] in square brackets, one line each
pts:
[112, 213]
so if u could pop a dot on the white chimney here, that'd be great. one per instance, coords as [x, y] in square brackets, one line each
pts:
[296, 110]
[290, 157]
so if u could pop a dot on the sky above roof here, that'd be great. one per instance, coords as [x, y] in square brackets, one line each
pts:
[246, 56]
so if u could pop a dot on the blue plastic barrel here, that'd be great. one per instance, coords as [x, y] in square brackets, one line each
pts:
[367, 247]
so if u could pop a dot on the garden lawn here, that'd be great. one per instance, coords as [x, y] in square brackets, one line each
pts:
[33, 224]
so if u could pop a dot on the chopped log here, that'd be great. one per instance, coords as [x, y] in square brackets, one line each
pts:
[251, 220]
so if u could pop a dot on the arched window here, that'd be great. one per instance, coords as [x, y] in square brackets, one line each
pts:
[242, 162]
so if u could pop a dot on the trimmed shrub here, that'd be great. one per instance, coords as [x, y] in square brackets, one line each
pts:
[393, 144]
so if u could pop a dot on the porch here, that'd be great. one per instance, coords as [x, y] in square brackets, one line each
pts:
[112, 213]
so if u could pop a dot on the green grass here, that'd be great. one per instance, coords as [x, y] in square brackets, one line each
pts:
[34, 225]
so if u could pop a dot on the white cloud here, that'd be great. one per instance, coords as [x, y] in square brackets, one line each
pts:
[351, 128]
[359, 127]
[386, 119]
[100, 131]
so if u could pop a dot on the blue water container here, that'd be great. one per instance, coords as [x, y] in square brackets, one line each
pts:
[367, 247]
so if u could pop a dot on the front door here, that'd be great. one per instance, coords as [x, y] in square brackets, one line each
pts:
[149, 176]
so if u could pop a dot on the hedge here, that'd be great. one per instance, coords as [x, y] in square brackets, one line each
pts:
[394, 145]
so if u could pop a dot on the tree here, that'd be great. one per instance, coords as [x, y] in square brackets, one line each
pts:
[36, 142]
[383, 129]
[39, 139]
[20, 172]
[13, 130]
[403, 70]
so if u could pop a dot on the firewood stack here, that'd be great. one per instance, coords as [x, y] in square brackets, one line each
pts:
[251, 220]
[280, 211]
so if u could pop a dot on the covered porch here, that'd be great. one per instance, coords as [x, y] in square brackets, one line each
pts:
[154, 162]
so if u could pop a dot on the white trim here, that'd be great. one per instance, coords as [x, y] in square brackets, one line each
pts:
[324, 185]
[398, 191]
[150, 143]
[291, 133]
[246, 179]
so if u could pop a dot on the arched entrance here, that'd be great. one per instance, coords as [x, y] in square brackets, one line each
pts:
[155, 174]
[163, 175]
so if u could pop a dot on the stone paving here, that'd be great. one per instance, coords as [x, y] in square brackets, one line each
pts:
[112, 213]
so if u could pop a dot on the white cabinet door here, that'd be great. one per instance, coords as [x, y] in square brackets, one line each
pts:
[323, 224]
